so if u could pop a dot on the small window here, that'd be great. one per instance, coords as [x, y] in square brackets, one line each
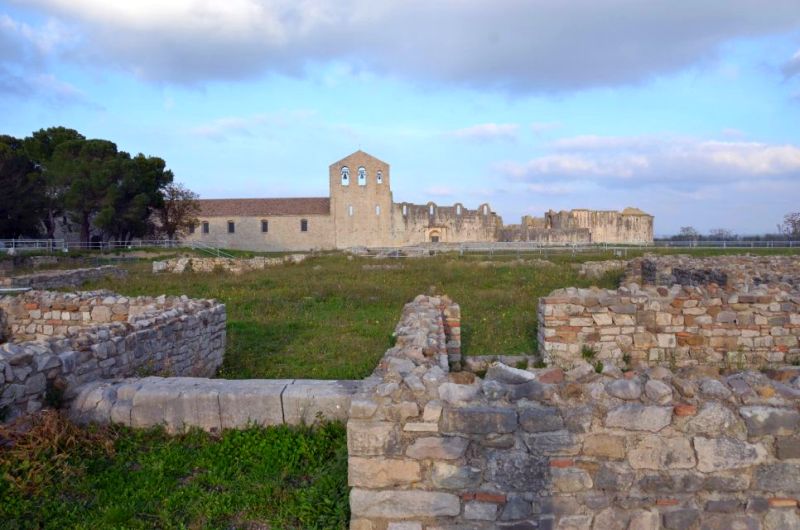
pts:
[377, 209]
[379, 176]
[264, 226]
[191, 229]
[362, 176]
[345, 176]
[458, 209]
[304, 225]
[205, 227]
[231, 227]
[431, 209]
[405, 210]
[350, 210]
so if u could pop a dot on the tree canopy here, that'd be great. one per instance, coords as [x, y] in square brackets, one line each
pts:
[57, 175]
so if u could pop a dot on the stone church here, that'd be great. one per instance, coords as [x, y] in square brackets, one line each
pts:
[360, 212]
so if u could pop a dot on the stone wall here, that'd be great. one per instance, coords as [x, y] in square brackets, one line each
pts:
[628, 226]
[431, 449]
[60, 341]
[180, 403]
[676, 326]
[62, 278]
[234, 265]
[546, 236]
[735, 271]
[414, 224]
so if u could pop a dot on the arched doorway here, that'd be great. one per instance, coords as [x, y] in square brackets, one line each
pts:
[434, 236]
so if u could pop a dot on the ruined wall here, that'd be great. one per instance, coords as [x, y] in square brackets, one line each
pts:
[429, 449]
[62, 340]
[629, 226]
[679, 326]
[734, 271]
[62, 278]
[413, 224]
[233, 265]
[546, 236]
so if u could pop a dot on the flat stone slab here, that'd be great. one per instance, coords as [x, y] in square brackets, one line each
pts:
[180, 403]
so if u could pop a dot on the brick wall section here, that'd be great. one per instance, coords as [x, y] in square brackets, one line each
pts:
[62, 278]
[430, 449]
[63, 340]
[679, 326]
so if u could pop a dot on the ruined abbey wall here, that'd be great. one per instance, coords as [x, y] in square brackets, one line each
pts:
[530, 449]
[628, 226]
[414, 224]
[59, 341]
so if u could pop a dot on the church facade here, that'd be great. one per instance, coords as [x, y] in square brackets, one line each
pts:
[359, 212]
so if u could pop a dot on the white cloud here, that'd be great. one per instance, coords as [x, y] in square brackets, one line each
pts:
[646, 161]
[488, 131]
[791, 67]
[228, 126]
[513, 45]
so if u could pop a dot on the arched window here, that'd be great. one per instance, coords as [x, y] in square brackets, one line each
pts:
[345, 176]
[485, 209]
[458, 209]
[191, 229]
[379, 176]
[362, 176]
[350, 210]
[377, 209]
[431, 209]
[405, 210]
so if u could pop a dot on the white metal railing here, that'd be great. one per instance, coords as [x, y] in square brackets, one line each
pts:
[208, 249]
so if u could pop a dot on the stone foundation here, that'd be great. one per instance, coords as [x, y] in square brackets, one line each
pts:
[724, 271]
[234, 265]
[63, 278]
[434, 449]
[59, 341]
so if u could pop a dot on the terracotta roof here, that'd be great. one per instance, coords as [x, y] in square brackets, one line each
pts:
[264, 207]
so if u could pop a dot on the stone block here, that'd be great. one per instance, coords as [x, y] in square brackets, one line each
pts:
[575, 522]
[613, 477]
[372, 438]
[716, 454]
[478, 420]
[382, 472]
[604, 446]
[730, 522]
[403, 504]
[516, 470]
[570, 479]
[251, 402]
[787, 447]
[450, 476]
[658, 391]
[782, 477]
[680, 519]
[535, 418]
[552, 443]
[480, 511]
[506, 374]
[309, 401]
[628, 389]
[635, 417]
[770, 420]
[659, 452]
[713, 419]
[438, 448]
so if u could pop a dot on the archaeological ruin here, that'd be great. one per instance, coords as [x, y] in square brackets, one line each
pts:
[672, 402]
[360, 212]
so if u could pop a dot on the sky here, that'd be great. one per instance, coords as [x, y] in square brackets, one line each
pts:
[687, 110]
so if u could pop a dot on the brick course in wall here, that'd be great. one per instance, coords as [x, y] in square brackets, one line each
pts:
[62, 340]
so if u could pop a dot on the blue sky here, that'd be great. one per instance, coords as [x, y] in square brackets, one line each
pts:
[690, 111]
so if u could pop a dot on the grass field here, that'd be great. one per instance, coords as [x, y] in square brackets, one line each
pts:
[59, 476]
[331, 317]
[325, 318]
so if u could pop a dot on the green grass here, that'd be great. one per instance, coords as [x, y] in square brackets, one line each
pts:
[329, 318]
[115, 477]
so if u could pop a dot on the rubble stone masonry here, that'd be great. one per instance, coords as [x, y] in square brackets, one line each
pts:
[58, 341]
[532, 449]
